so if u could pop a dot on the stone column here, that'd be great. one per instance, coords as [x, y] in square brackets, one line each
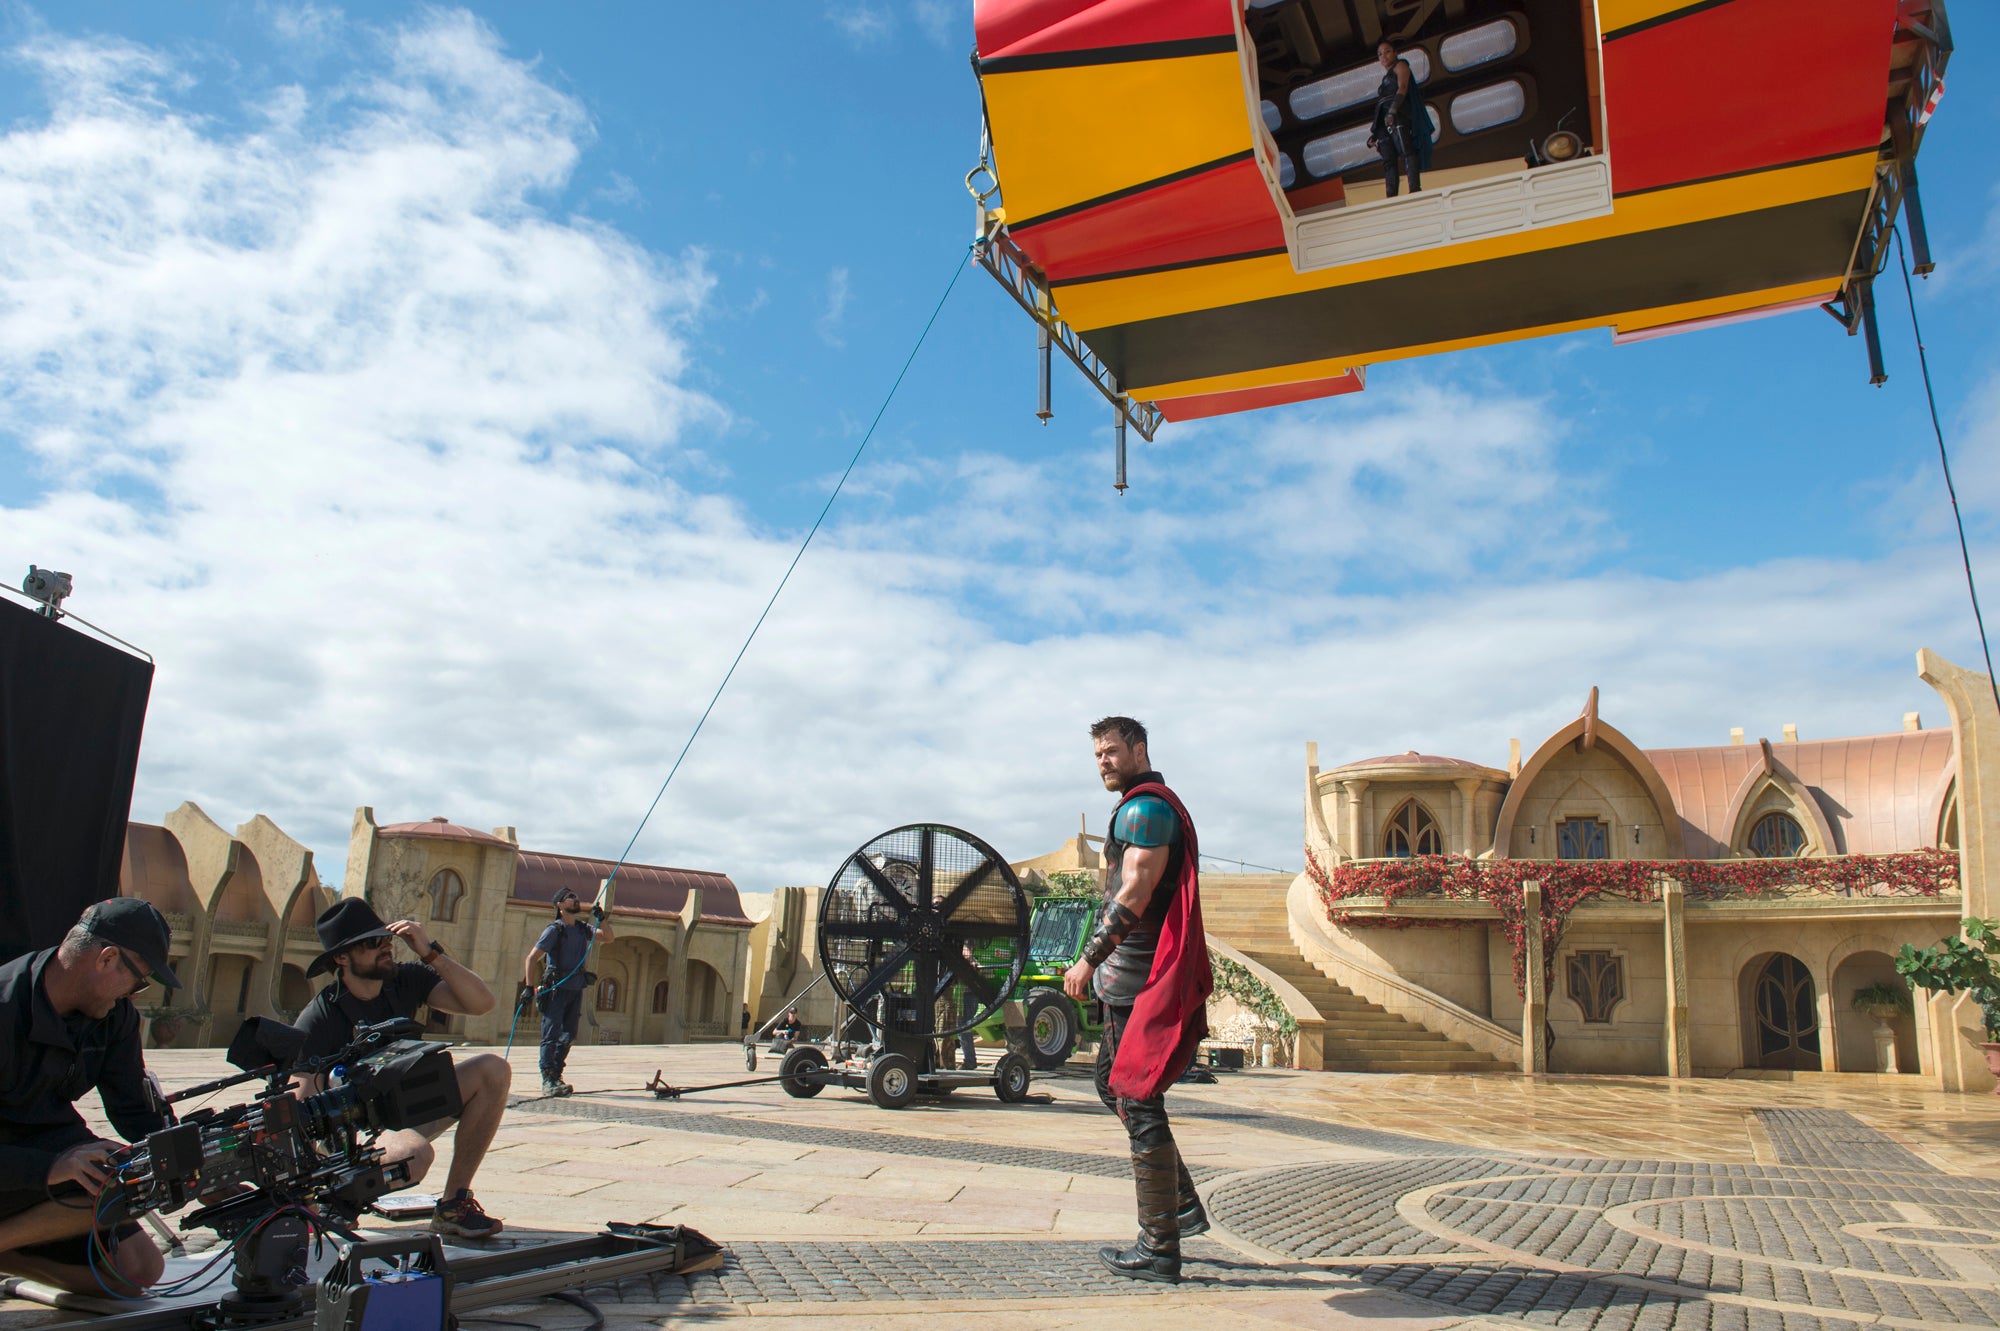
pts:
[1468, 790]
[1947, 1048]
[1673, 903]
[1355, 790]
[677, 986]
[1534, 998]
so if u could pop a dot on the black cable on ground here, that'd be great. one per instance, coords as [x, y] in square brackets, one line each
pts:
[956, 273]
[1944, 461]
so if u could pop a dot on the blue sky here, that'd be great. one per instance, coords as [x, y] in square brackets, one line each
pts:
[438, 393]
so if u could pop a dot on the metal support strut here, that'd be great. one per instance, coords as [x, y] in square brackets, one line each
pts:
[1044, 410]
[1118, 438]
[996, 252]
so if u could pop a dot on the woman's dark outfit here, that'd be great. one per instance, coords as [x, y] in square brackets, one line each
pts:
[1402, 130]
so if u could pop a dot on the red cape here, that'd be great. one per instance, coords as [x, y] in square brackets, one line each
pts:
[1171, 1015]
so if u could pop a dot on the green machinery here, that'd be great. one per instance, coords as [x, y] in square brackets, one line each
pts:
[1056, 1022]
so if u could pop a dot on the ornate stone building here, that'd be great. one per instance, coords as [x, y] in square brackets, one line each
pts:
[242, 907]
[1770, 881]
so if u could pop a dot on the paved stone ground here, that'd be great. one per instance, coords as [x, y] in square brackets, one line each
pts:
[1398, 1203]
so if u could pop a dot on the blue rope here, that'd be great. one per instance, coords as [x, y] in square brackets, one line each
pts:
[1964, 553]
[825, 508]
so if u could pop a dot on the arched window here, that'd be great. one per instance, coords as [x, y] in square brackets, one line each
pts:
[1411, 831]
[607, 994]
[446, 890]
[1583, 839]
[660, 996]
[1777, 836]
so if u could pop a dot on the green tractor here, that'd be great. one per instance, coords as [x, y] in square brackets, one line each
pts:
[1056, 1022]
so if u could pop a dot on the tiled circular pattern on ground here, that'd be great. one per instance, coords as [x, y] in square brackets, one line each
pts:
[917, 1271]
[1637, 1244]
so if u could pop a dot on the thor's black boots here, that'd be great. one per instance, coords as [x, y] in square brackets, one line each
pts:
[1157, 1255]
[1194, 1220]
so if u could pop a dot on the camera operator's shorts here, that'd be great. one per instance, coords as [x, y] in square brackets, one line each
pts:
[75, 1250]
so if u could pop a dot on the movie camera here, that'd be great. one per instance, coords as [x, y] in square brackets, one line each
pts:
[269, 1173]
[305, 1150]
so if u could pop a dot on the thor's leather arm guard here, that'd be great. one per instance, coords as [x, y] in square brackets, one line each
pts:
[1111, 931]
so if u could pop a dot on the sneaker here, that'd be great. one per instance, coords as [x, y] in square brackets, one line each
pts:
[555, 1090]
[461, 1216]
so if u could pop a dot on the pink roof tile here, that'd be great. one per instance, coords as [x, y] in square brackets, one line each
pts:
[442, 828]
[641, 887]
[1876, 791]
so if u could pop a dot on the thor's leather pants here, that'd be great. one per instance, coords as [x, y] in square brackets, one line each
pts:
[1165, 1188]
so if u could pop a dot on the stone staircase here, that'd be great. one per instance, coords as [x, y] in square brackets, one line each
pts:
[1248, 912]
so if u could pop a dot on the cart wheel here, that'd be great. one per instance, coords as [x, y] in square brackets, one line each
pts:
[749, 1058]
[1010, 1078]
[798, 1074]
[892, 1081]
[1051, 1027]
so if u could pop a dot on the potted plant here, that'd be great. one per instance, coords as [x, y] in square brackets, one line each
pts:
[1884, 1002]
[1963, 963]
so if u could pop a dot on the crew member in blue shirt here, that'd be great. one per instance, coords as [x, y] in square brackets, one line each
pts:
[564, 945]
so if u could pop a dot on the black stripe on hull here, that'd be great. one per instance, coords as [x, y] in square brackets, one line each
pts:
[1111, 55]
[1179, 266]
[1171, 178]
[1658, 20]
[1723, 256]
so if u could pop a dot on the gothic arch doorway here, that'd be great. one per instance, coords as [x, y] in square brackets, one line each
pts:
[1782, 1014]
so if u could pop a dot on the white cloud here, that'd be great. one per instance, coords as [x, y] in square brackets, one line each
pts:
[864, 24]
[388, 463]
[943, 21]
[836, 307]
[305, 24]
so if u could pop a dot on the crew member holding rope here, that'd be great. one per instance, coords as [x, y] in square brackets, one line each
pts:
[563, 947]
[1148, 962]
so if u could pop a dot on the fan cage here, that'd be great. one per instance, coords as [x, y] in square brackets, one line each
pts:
[924, 907]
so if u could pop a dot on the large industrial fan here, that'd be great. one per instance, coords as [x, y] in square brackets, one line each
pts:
[922, 934]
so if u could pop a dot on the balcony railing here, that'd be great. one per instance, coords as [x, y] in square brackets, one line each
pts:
[1376, 886]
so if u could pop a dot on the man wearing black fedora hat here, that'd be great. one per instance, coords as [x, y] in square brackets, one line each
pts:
[370, 985]
[67, 1025]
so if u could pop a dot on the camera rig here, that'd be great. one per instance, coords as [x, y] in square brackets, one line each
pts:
[273, 1172]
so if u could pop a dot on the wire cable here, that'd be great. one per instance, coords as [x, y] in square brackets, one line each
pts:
[1944, 461]
[956, 273]
[1224, 859]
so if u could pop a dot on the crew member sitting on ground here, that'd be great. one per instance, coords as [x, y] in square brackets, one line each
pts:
[67, 1025]
[563, 946]
[371, 986]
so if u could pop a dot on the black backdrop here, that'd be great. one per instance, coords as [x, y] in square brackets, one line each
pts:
[71, 711]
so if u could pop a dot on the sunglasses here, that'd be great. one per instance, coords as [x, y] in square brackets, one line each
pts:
[140, 979]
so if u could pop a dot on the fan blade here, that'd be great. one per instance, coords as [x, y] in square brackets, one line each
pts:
[889, 890]
[927, 867]
[879, 978]
[977, 984]
[977, 929]
[926, 992]
[880, 930]
[966, 888]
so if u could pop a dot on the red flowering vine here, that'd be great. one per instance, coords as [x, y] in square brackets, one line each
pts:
[1567, 884]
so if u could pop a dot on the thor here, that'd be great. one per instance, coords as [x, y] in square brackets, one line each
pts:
[1148, 962]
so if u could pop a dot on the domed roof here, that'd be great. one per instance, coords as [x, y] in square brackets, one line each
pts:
[1413, 759]
[443, 829]
[1414, 765]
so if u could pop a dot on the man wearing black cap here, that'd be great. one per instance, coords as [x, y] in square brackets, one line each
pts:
[370, 985]
[561, 952]
[67, 1025]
